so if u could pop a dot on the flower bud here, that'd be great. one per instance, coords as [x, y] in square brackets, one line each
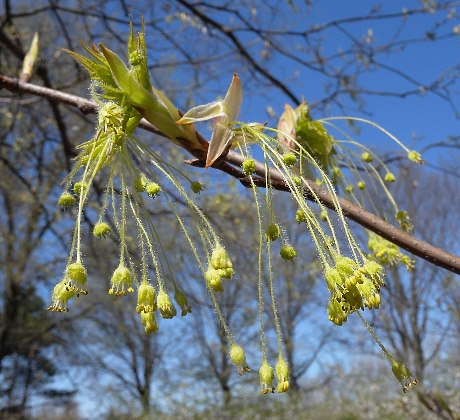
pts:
[273, 232]
[288, 252]
[336, 314]
[415, 156]
[367, 157]
[300, 216]
[361, 185]
[196, 187]
[140, 183]
[402, 374]
[389, 177]
[213, 280]
[282, 374]
[101, 230]
[249, 166]
[152, 189]
[149, 321]
[66, 200]
[80, 187]
[323, 215]
[266, 376]
[349, 188]
[121, 282]
[297, 180]
[146, 298]
[289, 159]
[182, 301]
[238, 358]
[336, 172]
[220, 258]
[167, 309]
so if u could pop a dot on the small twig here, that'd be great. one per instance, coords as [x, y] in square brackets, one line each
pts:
[232, 163]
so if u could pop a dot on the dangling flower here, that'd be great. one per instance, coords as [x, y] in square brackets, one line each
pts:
[167, 309]
[402, 374]
[76, 278]
[61, 295]
[266, 376]
[238, 358]
[66, 200]
[182, 301]
[146, 298]
[121, 281]
[282, 374]
[149, 321]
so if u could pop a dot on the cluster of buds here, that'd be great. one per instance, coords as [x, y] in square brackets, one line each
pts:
[220, 267]
[352, 287]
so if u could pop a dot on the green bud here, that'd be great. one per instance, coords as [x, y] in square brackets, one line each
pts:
[361, 185]
[336, 172]
[367, 157]
[402, 374]
[335, 312]
[282, 374]
[266, 376]
[249, 166]
[135, 58]
[80, 187]
[66, 200]
[152, 189]
[140, 183]
[323, 215]
[389, 177]
[121, 282]
[297, 180]
[213, 280]
[220, 258]
[167, 309]
[288, 252]
[415, 156]
[101, 230]
[196, 187]
[182, 301]
[146, 298]
[300, 216]
[349, 188]
[238, 358]
[149, 321]
[273, 232]
[289, 159]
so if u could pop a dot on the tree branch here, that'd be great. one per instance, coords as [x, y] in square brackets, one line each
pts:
[231, 164]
